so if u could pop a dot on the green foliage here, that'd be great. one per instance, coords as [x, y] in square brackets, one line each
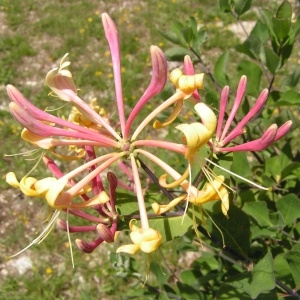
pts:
[260, 215]
[260, 279]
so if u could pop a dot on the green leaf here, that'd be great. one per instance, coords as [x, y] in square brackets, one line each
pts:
[258, 211]
[220, 69]
[224, 5]
[192, 23]
[172, 37]
[253, 72]
[240, 165]
[251, 47]
[241, 6]
[272, 60]
[200, 39]
[283, 270]
[290, 170]
[281, 29]
[188, 292]
[289, 207]
[161, 274]
[174, 227]
[176, 53]
[293, 259]
[190, 277]
[229, 292]
[293, 78]
[288, 98]
[267, 16]
[260, 280]
[262, 232]
[188, 35]
[263, 276]
[274, 165]
[225, 161]
[235, 229]
[284, 10]
[260, 31]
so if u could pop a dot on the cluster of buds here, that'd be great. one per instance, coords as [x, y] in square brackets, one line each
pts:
[99, 147]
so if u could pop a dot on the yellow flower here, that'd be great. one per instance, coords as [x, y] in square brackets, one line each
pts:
[52, 190]
[213, 191]
[147, 240]
[60, 80]
[198, 134]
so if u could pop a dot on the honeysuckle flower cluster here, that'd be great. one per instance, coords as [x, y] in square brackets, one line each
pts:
[101, 145]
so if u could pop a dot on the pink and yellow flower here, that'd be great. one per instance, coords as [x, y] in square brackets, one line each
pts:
[99, 143]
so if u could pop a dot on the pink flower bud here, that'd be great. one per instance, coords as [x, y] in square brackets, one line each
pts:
[105, 233]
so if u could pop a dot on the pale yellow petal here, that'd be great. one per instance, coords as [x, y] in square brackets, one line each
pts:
[12, 180]
[130, 249]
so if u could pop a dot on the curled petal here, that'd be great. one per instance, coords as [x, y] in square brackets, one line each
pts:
[130, 249]
[197, 134]
[53, 193]
[186, 83]
[189, 83]
[132, 226]
[60, 80]
[42, 186]
[210, 192]
[27, 186]
[163, 180]
[157, 124]
[12, 180]
[225, 200]
[41, 141]
[101, 198]
[152, 240]
[174, 77]
[161, 209]
[207, 116]
[148, 239]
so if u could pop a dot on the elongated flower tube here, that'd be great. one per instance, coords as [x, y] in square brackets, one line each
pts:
[225, 136]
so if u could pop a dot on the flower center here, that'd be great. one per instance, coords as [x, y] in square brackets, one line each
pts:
[125, 146]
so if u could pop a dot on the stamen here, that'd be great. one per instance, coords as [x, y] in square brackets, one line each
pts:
[26, 153]
[43, 234]
[238, 176]
[222, 235]
[69, 238]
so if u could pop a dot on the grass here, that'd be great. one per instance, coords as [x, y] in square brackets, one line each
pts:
[35, 34]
